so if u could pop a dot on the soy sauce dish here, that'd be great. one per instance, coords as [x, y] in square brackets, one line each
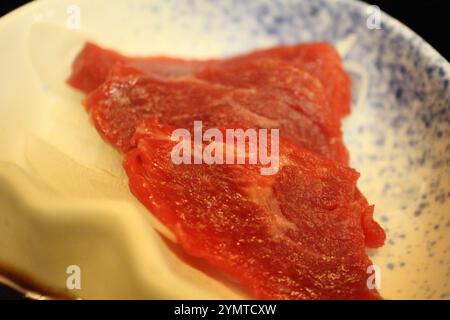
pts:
[69, 225]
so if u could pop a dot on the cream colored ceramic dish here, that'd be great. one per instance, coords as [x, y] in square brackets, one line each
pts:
[64, 198]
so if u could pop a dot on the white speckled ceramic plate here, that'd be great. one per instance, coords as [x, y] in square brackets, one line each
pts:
[64, 198]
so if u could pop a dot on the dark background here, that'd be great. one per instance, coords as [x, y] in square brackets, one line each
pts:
[429, 18]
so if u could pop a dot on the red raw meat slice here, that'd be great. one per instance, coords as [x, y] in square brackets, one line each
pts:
[129, 96]
[93, 63]
[320, 59]
[373, 232]
[293, 235]
[279, 80]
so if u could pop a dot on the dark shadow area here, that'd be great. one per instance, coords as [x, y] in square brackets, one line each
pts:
[428, 18]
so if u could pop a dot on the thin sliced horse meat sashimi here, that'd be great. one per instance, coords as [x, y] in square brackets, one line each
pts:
[129, 96]
[93, 63]
[297, 234]
[280, 80]
[293, 235]
[318, 58]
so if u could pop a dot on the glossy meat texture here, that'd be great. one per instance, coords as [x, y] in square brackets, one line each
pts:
[92, 65]
[293, 235]
[130, 95]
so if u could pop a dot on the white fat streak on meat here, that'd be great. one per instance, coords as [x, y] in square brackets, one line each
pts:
[260, 192]
[263, 122]
[264, 197]
[152, 134]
